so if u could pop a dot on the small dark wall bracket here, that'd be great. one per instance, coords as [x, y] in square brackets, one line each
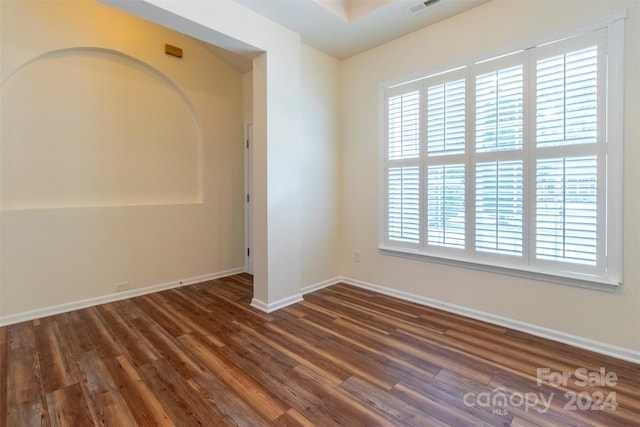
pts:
[173, 50]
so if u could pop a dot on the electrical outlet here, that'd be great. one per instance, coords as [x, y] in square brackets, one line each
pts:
[124, 286]
[356, 256]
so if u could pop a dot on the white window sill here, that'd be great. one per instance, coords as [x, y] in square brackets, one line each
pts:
[587, 282]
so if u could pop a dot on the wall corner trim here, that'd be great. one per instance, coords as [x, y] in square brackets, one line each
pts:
[268, 308]
[90, 302]
[276, 305]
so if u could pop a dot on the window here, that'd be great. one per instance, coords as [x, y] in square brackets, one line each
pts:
[512, 163]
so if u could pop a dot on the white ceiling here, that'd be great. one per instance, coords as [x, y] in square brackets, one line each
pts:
[340, 28]
[343, 28]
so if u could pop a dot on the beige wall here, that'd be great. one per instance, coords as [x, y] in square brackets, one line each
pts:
[610, 318]
[320, 166]
[276, 108]
[119, 163]
[54, 254]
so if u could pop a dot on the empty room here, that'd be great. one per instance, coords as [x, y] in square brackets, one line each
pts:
[319, 213]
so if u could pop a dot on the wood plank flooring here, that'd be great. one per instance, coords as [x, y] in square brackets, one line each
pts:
[201, 356]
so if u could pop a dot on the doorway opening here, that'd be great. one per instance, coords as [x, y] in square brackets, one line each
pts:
[248, 187]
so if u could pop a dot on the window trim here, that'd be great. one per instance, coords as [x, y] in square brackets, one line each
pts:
[521, 272]
[614, 26]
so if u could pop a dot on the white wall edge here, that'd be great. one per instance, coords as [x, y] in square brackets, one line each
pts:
[268, 308]
[276, 305]
[539, 331]
[90, 302]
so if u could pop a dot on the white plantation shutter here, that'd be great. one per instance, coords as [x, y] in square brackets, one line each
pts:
[507, 164]
[446, 118]
[566, 174]
[499, 109]
[499, 132]
[499, 207]
[566, 210]
[403, 170]
[445, 206]
[445, 181]
[567, 98]
[404, 125]
[404, 204]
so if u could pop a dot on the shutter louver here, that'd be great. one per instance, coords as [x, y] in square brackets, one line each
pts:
[446, 206]
[404, 204]
[499, 207]
[404, 126]
[446, 118]
[567, 98]
[566, 210]
[499, 110]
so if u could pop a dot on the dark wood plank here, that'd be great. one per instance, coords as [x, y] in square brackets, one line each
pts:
[233, 409]
[371, 356]
[347, 411]
[142, 402]
[67, 407]
[458, 399]
[53, 354]
[201, 355]
[134, 344]
[261, 399]
[324, 349]
[293, 418]
[4, 348]
[438, 408]
[184, 403]
[166, 318]
[26, 401]
[558, 397]
[170, 349]
[301, 354]
[102, 396]
[387, 405]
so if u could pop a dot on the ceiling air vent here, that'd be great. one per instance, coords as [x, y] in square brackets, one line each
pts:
[419, 7]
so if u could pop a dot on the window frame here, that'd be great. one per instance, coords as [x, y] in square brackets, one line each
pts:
[610, 278]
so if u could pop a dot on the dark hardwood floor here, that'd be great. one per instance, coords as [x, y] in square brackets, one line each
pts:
[201, 356]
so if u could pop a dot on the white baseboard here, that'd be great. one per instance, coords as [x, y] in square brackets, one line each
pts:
[268, 308]
[539, 331]
[276, 305]
[317, 286]
[90, 302]
[554, 335]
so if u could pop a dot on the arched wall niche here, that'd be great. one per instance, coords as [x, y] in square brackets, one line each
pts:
[95, 127]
